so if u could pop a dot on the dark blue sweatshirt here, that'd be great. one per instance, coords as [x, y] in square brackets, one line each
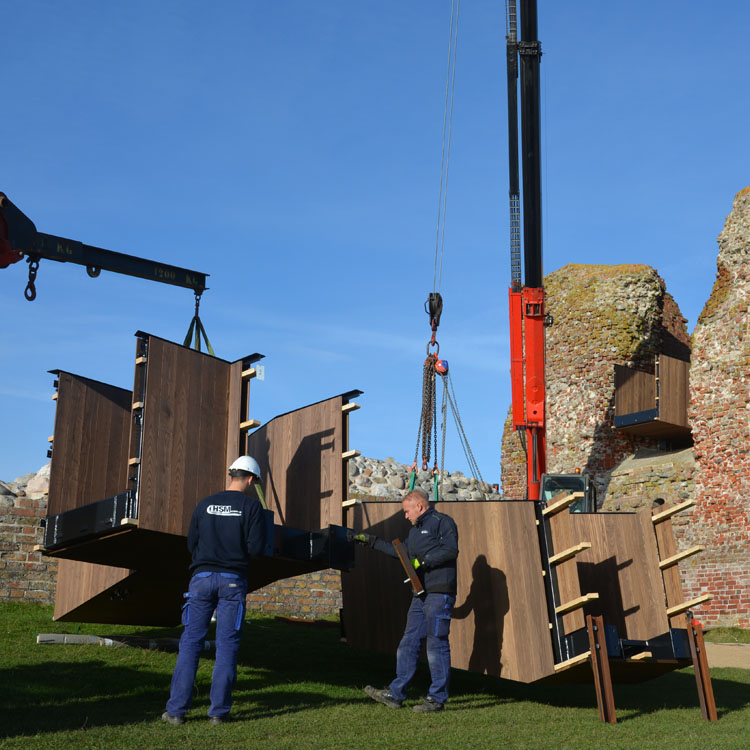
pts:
[433, 540]
[225, 530]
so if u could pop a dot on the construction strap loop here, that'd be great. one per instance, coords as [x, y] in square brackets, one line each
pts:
[433, 342]
[197, 327]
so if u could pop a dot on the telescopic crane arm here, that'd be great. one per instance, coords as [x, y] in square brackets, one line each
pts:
[526, 297]
[19, 238]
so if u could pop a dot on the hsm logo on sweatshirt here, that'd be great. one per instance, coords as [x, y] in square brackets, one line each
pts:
[223, 510]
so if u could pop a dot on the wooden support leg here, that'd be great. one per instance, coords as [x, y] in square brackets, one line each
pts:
[702, 675]
[600, 666]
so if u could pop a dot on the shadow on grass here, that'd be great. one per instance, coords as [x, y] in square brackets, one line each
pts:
[287, 668]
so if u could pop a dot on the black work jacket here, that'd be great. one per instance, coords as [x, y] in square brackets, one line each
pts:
[226, 529]
[433, 540]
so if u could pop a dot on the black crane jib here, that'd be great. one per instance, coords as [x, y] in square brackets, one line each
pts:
[23, 237]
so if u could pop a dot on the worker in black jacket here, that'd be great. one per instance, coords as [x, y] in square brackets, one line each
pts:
[432, 546]
[225, 531]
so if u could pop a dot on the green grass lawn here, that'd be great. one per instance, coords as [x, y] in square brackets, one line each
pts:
[299, 687]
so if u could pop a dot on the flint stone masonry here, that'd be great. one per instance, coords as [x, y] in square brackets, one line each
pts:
[719, 415]
[603, 315]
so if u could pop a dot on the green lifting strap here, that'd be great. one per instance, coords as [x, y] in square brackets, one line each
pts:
[200, 331]
[412, 479]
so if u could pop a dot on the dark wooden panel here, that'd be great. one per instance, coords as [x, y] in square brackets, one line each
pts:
[300, 458]
[673, 390]
[564, 536]
[90, 444]
[77, 582]
[185, 428]
[500, 622]
[670, 576]
[622, 566]
[99, 593]
[635, 390]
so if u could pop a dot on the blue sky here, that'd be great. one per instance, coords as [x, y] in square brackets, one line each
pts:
[291, 150]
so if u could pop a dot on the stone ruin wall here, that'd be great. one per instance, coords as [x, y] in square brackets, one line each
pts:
[624, 315]
[719, 415]
[603, 315]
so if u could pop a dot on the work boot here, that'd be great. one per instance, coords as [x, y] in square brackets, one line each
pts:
[172, 719]
[428, 705]
[382, 696]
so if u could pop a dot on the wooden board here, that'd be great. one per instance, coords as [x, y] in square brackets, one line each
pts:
[673, 390]
[500, 624]
[185, 432]
[622, 566]
[635, 390]
[300, 459]
[90, 445]
[671, 576]
[100, 593]
[564, 536]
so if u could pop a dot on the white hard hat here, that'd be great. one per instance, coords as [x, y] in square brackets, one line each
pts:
[246, 463]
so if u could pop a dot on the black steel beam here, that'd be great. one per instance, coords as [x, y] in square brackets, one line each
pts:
[24, 237]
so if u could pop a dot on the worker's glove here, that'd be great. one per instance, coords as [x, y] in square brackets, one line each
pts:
[362, 538]
[415, 563]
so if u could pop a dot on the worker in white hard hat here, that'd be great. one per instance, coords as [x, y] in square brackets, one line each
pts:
[227, 529]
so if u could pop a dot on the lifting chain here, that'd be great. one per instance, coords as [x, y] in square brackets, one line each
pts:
[30, 291]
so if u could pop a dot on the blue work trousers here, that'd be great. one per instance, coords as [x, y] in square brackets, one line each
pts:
[224, 592]
[429, 619]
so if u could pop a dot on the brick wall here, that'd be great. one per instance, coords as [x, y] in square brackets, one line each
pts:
[312, 596]
[24, 574]
[719, 415]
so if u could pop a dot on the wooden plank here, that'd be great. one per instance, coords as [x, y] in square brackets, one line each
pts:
[642, 655]
[685, 606]
[351, 406]
[141, 360]
[581, 601]
[185, 434]
[500, 625]
[567, 554]
[623, 567]
[605, 698]
[350, 454]
[674, 559]
[670, 575]
[137, 405]
[671, 511]
[673, 390]
[561, 504]
[411, 574]
[133, 461]
[574, 661]
[92, 423]
[54, 396]
[249, 373]
[702, 674]
[235, 439]
[250, 424]
[635, 391]
[563, 536]
[300, 459]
